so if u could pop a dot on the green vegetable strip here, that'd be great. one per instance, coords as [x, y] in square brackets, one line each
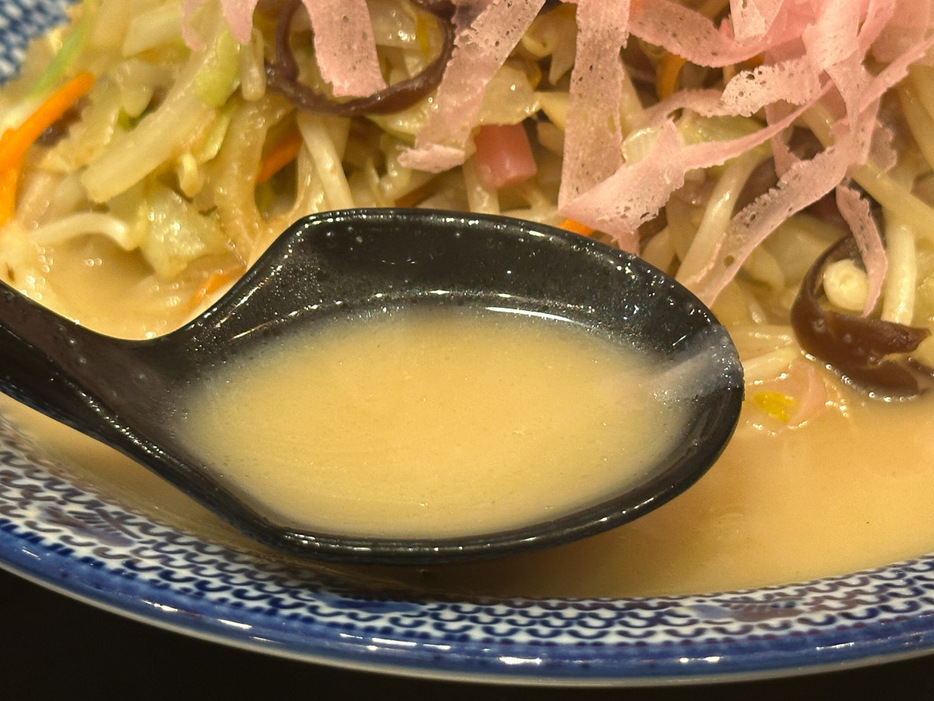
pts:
[71, 48]
[164, 133]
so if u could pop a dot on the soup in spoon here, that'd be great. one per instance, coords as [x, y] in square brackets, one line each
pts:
[437, 422]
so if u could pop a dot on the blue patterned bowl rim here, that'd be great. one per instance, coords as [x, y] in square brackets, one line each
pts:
[90, 546]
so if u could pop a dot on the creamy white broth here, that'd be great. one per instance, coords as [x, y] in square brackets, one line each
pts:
[434, 422]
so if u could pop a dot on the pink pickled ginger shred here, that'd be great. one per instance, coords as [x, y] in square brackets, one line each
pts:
[345, 46]
[856, 212]
[753, 18]
[594, 134]
[482, 44]
[812, 52]
[634, 193]
[691, 35]
[808, 52]
[749, 91]
[237, 13]
[840, 55]
[907, 27]
[239, 16]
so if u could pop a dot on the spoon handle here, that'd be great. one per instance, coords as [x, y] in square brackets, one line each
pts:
[42, 357]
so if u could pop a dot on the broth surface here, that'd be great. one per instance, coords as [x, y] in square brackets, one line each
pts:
[430, 423]
[843, 493]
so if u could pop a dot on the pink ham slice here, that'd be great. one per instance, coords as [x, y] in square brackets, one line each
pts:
[504, 156]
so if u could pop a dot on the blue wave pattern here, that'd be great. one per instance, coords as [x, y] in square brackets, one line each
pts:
[21, 20]
[88, 544]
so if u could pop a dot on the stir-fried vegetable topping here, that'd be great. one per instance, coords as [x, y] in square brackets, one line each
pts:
[729, 143]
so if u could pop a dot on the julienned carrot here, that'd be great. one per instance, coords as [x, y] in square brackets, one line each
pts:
[15, 142]
[279, 156]
[214, 282]
[9, 179]
[577, 227]
[666, 81]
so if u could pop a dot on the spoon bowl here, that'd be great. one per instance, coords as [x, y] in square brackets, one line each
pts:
[346, 263]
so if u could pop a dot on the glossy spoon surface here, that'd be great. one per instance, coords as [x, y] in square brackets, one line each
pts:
[355, 262]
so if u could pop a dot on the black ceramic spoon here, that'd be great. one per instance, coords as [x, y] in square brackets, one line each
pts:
[346, 263]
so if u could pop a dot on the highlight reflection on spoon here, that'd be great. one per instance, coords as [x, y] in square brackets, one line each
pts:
[358, 263]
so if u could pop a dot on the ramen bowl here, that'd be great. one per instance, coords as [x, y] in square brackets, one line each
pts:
[117, 539]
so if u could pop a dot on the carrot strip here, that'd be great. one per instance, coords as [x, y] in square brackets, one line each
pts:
[22, 137]
[9, 179]
[413, 197]
[15, 142]
[577, 227]
[215, 281]
[279, 156]
[754, 61]
[666, 81]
